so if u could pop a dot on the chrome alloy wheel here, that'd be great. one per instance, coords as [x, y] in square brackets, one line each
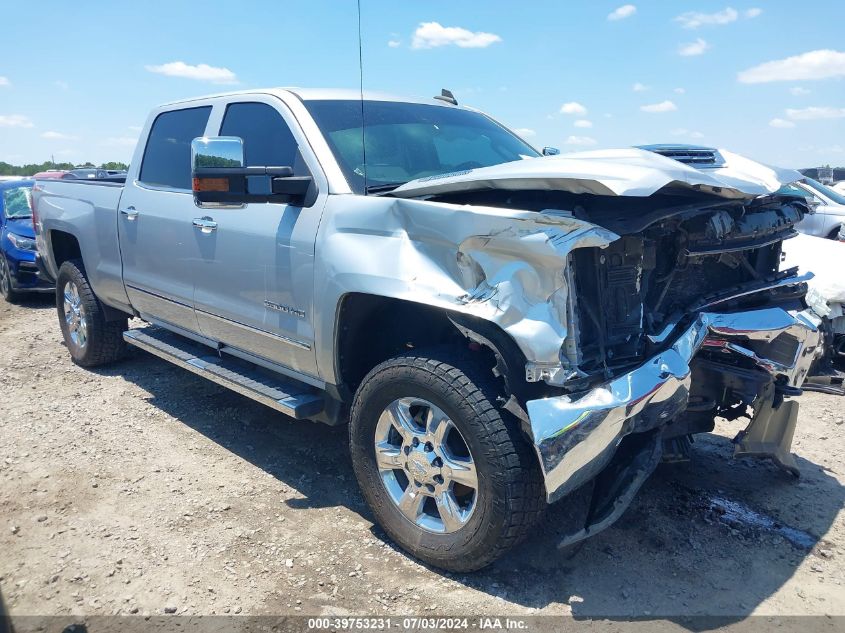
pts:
[75, 317]
[426, 465]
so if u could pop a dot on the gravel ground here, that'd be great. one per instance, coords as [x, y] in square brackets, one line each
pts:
[141, 488]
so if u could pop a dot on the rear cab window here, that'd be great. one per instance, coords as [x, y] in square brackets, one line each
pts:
[167, 156]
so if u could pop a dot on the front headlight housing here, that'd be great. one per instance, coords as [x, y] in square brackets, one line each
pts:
[20, 242]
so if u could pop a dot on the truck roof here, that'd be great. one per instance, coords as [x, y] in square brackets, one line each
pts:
[322, 94]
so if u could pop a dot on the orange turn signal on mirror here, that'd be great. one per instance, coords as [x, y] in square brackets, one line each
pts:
[211, 184]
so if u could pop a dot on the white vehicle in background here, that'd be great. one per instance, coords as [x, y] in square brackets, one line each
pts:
[826, 294]
[829, 218]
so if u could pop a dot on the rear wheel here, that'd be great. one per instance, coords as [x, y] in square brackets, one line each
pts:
[447, 473]
[6, 281]
[90, 338]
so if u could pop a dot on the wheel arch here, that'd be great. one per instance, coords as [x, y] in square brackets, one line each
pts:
[62, 246]
[369, 329]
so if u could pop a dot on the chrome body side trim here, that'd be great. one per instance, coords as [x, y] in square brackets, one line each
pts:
[576, 437]
[253, 330]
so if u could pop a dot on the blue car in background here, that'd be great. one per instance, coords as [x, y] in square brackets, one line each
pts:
[18, 272]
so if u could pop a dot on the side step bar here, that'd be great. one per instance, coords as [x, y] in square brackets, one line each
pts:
[280, 393]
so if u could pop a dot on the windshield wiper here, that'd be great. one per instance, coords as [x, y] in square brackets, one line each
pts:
[384, 188]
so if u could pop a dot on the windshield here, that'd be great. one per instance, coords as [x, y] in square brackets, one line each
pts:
[16, 202]
[405, 141]
[829, 193]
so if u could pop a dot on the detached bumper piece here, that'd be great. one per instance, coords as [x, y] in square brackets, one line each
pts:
[578, 438]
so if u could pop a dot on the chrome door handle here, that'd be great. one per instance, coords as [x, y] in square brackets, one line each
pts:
[130, 213]
[205, 224]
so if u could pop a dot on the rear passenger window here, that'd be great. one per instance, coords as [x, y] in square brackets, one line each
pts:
[268, 141]
[167, 157]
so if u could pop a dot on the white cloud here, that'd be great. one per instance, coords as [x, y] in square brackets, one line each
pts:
[682, 131]
[781, 123]
[798, 91]
[815, 112]
[394, 43]
[693, 48]
[62, 84]
[679, 91]
[583, 141]
[200, 72]
[583, 123]
[120, 141]
[134, 128]
[525, 132]
[434, 34]
[4, 81]
[573, 107]
[694, 19]
[638, 87]
[663, 106]
[753, 12]
[625, 11]
[15, 120]
[821, 64]
[58, 136]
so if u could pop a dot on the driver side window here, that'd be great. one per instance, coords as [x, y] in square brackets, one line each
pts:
[267, 139]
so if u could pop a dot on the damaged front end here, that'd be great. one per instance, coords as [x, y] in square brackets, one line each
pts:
[675, 314]
[719, 365]
[629, 300]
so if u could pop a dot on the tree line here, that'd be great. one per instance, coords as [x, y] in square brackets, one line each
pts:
[7, 169]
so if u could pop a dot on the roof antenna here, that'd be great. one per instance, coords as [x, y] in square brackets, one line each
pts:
[361, 74]
[447, 96]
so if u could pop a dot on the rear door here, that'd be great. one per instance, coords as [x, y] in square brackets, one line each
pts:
[255, 279]
[160, 246]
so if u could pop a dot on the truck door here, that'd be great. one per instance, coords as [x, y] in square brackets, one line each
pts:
[159, 244]
[255, 278]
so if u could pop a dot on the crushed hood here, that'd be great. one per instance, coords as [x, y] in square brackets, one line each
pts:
[613, 172]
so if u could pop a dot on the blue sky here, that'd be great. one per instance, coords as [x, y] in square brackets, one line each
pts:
[761, 78]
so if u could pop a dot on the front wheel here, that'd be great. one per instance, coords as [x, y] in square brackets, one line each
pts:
[447, 473]
[6, 281]
[90, 338]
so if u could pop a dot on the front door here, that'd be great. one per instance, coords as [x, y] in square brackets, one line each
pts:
[159, 243]
[255, 277]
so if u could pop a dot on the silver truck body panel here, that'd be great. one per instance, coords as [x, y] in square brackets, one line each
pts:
[87, 211]
[501, 265]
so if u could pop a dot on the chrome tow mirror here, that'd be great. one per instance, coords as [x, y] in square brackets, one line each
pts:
[219, 177]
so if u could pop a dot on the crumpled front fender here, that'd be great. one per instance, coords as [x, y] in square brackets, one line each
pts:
[575, 437]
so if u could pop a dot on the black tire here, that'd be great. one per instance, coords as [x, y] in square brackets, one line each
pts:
[6, 281]
[510, 495]
[834, 234]
[103, 339]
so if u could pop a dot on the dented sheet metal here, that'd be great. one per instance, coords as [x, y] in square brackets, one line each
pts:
[618, 172]
[501, 265]
[575, 437]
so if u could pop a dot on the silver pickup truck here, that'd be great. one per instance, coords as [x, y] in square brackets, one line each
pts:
[500, 327]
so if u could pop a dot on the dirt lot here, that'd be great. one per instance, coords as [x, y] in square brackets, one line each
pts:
[144, 489]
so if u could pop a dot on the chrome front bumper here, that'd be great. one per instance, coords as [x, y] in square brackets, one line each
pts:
[575, 439]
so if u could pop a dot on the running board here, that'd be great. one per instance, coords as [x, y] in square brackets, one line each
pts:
[280, 393]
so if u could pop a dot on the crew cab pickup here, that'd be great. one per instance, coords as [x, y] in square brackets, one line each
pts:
[498, 326]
